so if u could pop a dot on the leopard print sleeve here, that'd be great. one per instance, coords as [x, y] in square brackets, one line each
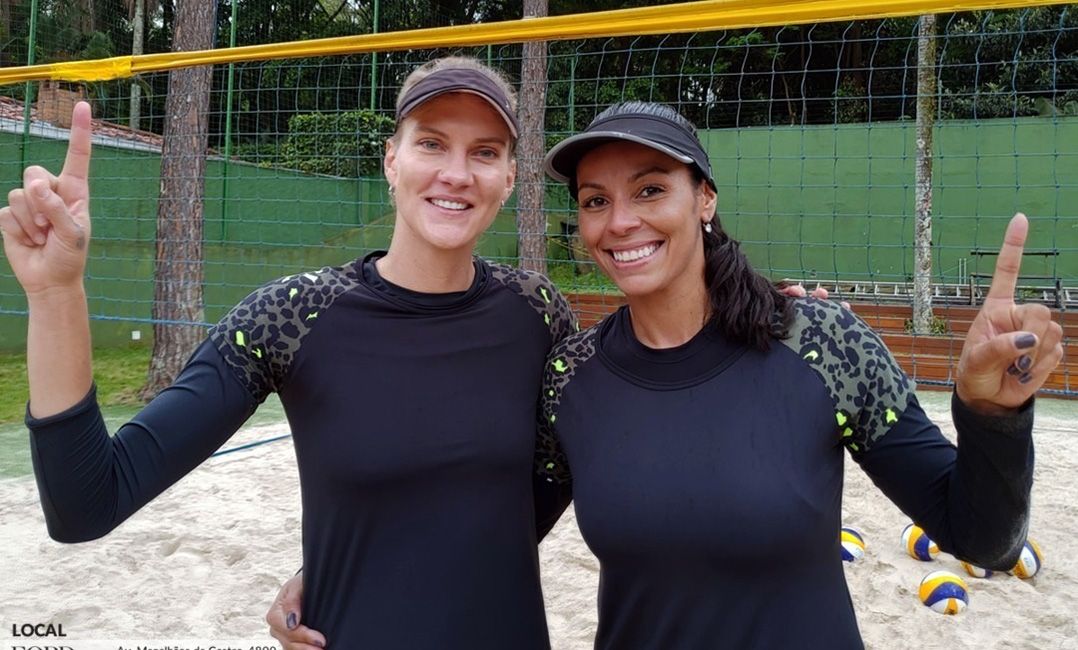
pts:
[869, 389]
[260, 336]
[542, 295]
[550, 462]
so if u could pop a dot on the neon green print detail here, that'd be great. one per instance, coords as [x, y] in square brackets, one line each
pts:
[550, 392]
[550, 465]
[546, 317]
[257, 352]
[853, 446]
[545, 294]
[560, 365]
[847, 433]
[841, 417]
[240, 340]
[891, 416]
[812, 355]
[552, 417]
[293, 292]
[312, 316]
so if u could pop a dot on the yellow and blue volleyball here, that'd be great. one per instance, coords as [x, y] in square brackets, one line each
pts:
[918, 545]
[853, 545]
[1029, 561]
[976, 571]
[944, 592]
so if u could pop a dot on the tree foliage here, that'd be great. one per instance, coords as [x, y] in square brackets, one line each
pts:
[992, 64]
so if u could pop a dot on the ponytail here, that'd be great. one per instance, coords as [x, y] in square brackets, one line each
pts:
[745, 306]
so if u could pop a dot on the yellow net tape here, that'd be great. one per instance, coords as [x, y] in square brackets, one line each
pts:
[669, 19]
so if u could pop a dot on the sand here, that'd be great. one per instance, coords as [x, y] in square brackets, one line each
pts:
[205, 559]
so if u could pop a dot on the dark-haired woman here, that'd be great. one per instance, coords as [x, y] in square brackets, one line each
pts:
[409, 378]
[702, 428]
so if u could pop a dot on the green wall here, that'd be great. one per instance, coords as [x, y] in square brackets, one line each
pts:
[837, 201]
[833, 202]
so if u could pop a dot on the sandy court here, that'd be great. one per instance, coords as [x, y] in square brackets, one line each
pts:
[205, 559]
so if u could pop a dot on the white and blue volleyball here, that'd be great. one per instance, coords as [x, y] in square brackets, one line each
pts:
[1029, 561]
[944, 592]
[918, 545]
[853, 545]
[976, 571]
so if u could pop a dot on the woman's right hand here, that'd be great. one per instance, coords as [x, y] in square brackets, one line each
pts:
[284, 618]
[46, 224]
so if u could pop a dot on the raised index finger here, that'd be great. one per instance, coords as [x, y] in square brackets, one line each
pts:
[1005, 278]
[77, 163]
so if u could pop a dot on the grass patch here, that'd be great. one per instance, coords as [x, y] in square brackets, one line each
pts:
[565, 277]
[119, 373]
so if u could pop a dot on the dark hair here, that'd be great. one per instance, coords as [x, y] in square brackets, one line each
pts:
[745, 306]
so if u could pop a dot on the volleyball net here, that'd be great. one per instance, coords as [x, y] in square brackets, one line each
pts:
[809, 115]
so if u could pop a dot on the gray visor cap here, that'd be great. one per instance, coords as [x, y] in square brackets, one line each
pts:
[459, 80]
[647, 130]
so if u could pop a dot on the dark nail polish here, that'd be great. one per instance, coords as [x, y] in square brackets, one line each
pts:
[1025, 379]
[291, 620]
[1013, 370]
[1025, 341]
[1024, 362]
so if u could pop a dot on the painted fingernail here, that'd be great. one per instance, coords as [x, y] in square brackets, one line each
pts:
[1025, 341]
[291, 620]
[1013, 370]
[1024, 362]
[1025, 379]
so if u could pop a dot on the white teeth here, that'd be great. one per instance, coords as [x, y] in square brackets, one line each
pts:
[449, 205]
[635, 254]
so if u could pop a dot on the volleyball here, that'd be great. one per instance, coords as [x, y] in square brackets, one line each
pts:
[976, 571]
[944, 592]
[918, 545]
[853, 545]
[1029, 562]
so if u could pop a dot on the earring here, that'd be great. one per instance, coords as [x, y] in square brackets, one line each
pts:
[707, 227]
[392, 191]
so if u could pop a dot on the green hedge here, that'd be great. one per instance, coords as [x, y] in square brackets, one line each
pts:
[338, 144]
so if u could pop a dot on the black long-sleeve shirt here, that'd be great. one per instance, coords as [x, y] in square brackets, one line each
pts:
[413, 419]
[707, 478]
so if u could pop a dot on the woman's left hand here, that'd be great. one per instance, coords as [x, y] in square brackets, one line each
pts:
[1010, 349]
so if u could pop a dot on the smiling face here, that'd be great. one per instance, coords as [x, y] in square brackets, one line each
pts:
[640, 216]
[451, 167]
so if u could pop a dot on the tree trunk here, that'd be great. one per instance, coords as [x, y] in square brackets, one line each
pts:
[87, 23]
[5, 32]
[531, 220]
[177, 291]
[926, 113]
[138, 28]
